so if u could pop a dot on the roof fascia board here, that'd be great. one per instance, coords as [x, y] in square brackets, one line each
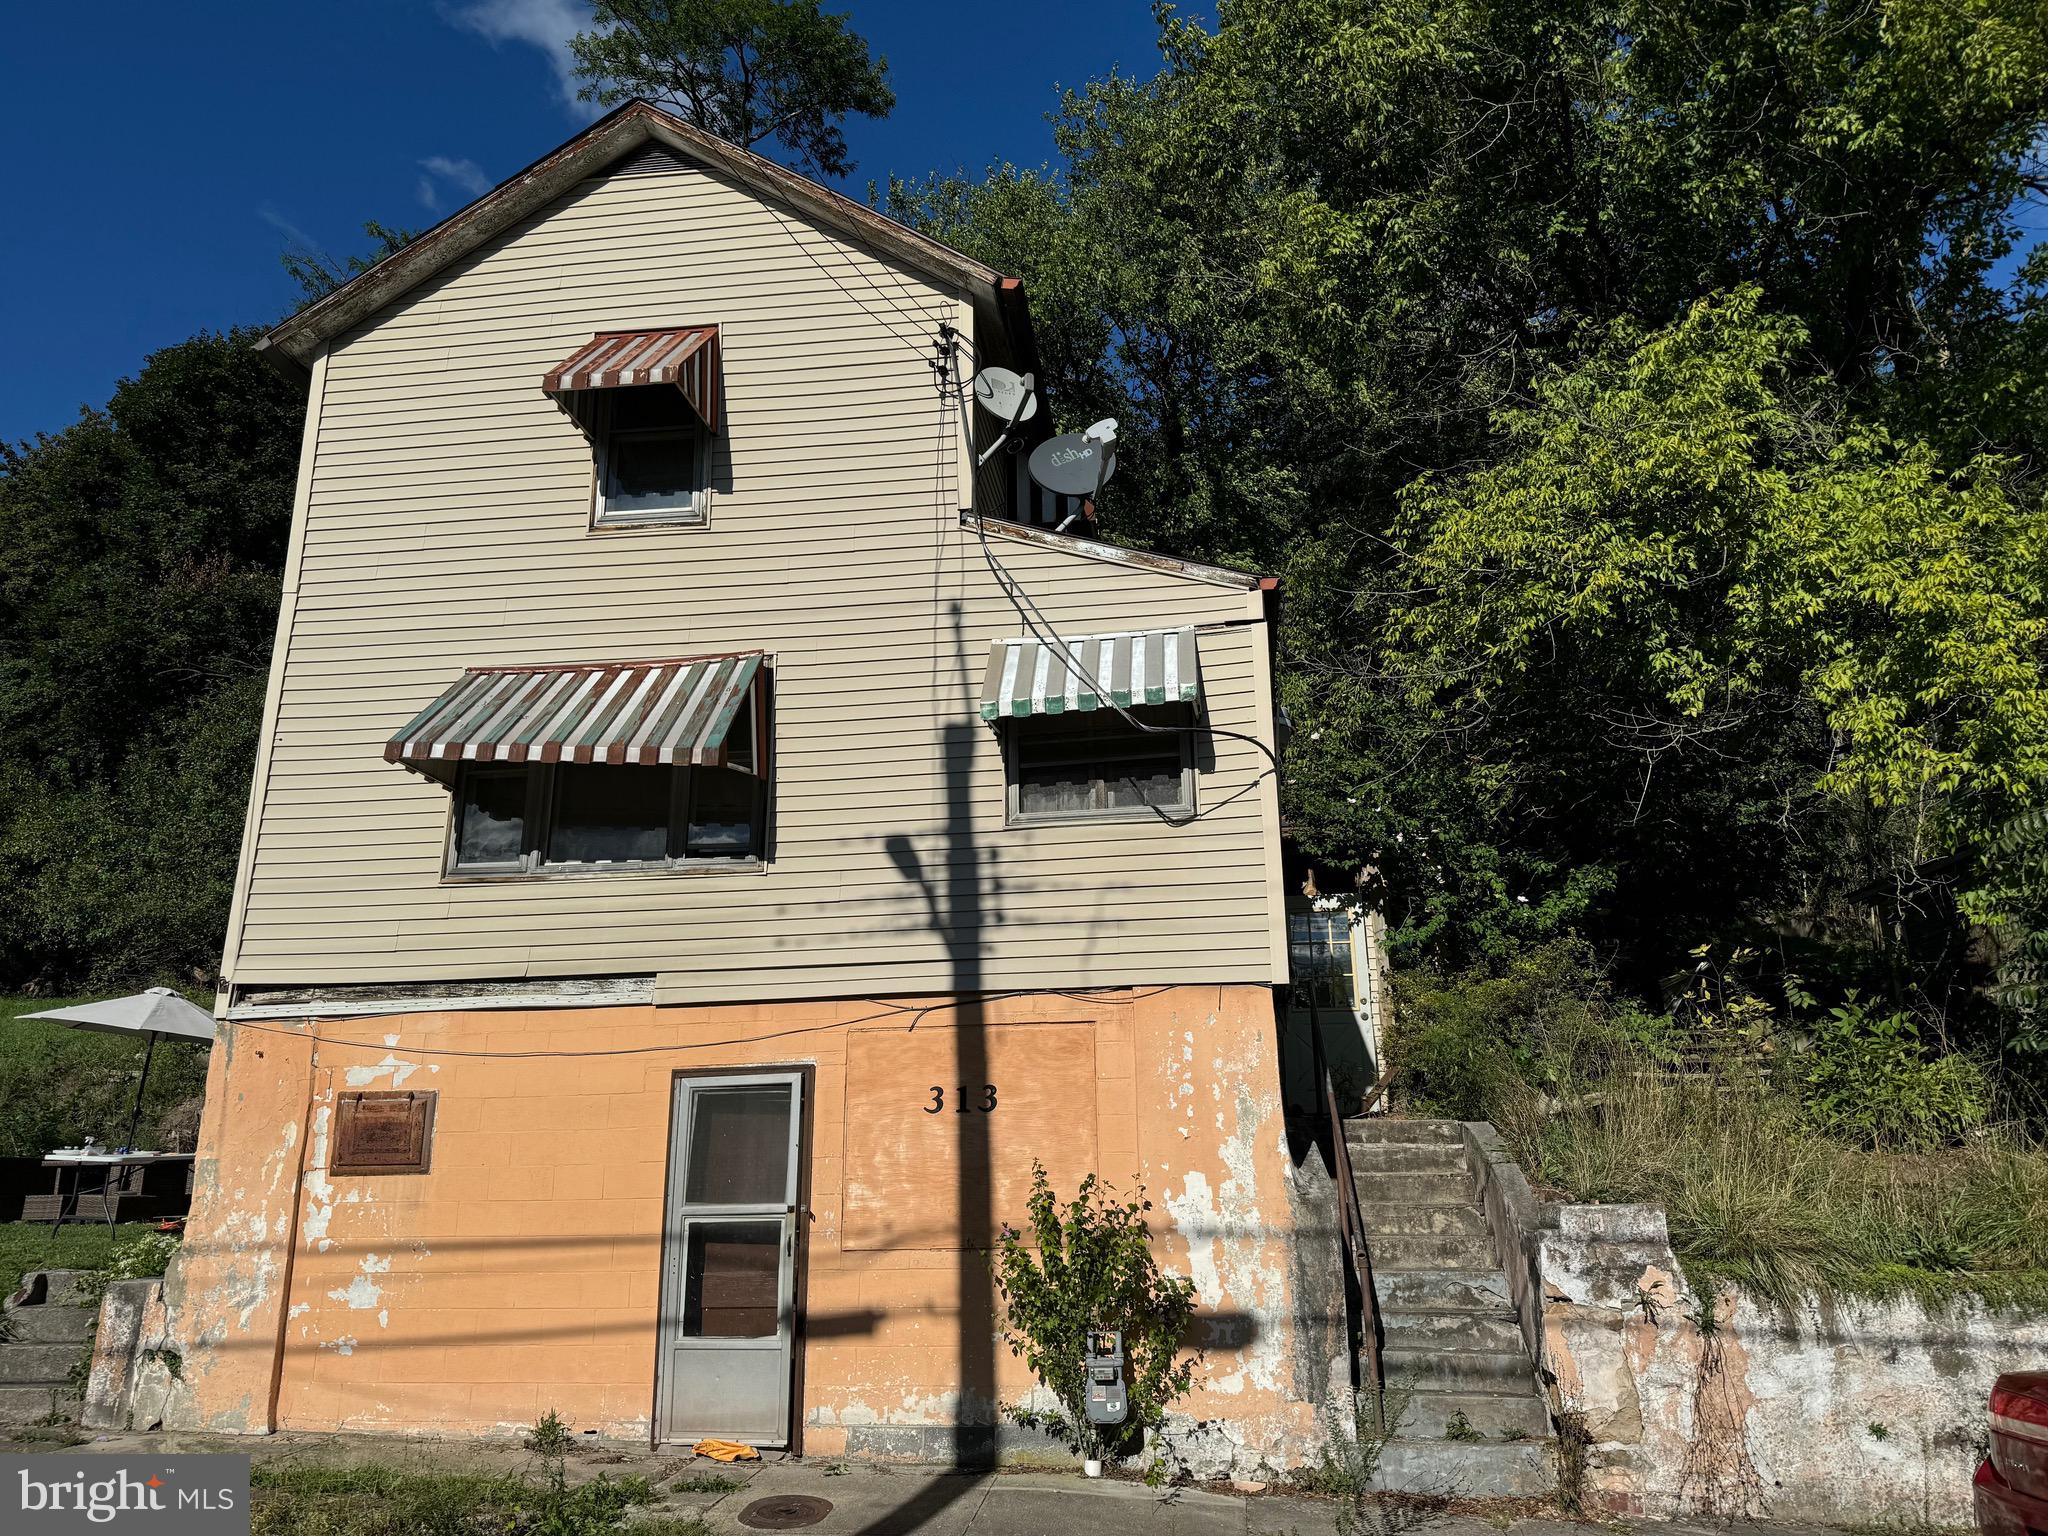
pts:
[1112, 554]
[600, 145]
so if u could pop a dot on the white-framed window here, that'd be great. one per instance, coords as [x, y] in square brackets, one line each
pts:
[1096, 765]
[593, 818]
[1323, 950]
[653, 456]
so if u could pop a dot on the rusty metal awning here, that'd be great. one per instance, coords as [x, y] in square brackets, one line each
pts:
[1026, 677]
[629, 712]
[686, 357]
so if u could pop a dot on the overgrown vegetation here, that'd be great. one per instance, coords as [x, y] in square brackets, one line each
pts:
[141, 552]
[318, 1500]
[1643, 410]
[1352, 1449]
[1089, 1266]
[1793, 1150]
[25, 1246]
[60, 1085]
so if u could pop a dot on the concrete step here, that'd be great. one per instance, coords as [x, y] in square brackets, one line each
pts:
[1432, 1369]
[1370, 1159]
[1414, 1188]
[1442, 1290]
[37, 1362]
[50, 1325]
[56, 1287]
[1467, 1470]
[1456, 1218]
[1394, 1251]
[1426, 1415]
[27, 1404]
[1416, 1329]
[1398, 1132]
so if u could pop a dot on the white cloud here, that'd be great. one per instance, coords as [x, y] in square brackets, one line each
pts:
[466, 176]
[287, 228]
[544, 24]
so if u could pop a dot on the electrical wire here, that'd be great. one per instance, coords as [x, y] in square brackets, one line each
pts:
[921, 319]
[886, 1010]
[1022, 601]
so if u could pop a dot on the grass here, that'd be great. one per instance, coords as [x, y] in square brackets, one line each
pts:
[59, 1085]
[293, 1499]
[32, 1245]
[1757, 1199]
[710, 1482]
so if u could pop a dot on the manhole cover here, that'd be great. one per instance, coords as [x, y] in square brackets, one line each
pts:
[785, 1512]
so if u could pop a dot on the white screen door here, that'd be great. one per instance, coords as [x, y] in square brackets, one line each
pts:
[729, 1258]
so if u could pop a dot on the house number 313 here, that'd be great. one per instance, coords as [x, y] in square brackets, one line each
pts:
[964, 1101]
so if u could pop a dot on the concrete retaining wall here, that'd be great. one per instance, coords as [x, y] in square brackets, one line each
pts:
[1829, 1411]
[134, 1366]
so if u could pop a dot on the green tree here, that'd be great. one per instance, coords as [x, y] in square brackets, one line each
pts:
[748, 71]
[1325, 259]
[319, 274]
[140, 559]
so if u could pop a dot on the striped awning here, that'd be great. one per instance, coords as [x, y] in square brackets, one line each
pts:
[645, 712]
[1148, 667]
[686, 357]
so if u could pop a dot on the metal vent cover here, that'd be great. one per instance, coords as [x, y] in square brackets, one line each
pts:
[785, 1512]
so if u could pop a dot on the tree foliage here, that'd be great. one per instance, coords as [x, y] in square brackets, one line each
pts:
[749, 71]
[140, 558]
[1642, 406]
[318, 274]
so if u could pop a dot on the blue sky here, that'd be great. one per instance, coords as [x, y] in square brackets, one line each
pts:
[153, 202]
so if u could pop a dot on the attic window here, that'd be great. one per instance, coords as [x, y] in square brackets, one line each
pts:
[648, 401]
[651, 453]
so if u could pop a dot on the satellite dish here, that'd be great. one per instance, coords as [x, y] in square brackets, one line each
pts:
[1004, 395]
[1072, 465]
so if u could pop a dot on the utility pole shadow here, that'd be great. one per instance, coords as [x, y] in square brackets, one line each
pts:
[956, 904]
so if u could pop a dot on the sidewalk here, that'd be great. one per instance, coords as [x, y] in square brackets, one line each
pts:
[871, 1500]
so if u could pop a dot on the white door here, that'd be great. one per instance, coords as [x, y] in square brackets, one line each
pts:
[729, 1259]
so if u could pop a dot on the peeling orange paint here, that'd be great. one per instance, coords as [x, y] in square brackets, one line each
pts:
[523, 1272]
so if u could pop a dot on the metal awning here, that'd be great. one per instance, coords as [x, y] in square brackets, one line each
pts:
[686, 357]
[1025, 677]
[627, 712]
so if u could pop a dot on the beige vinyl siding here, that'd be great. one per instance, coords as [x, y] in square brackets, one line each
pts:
[446, 525]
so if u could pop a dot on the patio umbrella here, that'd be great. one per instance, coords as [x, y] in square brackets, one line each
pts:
[159, 1011]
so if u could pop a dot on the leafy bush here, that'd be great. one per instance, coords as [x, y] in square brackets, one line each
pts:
[1088, 1267]
[143, 1255]
[1470, 1047]
[1758, 1197]
[1868, 1077]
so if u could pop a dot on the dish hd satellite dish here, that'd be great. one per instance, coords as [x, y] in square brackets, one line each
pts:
[1076, 463]
[1005, 395]
[1072, 465]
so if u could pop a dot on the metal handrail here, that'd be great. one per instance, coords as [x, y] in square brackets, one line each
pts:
[1357, 1254]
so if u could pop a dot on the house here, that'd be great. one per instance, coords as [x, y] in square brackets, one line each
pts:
[695, 864]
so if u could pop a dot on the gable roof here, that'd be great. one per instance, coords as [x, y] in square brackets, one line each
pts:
[296, 340]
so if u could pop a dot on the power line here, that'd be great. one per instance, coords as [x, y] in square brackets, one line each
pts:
[885, 1010]
[1022, 601]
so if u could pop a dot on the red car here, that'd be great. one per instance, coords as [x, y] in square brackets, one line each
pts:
[2012, 1487]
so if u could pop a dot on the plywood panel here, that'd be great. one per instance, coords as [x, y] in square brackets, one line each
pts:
[907, 1163]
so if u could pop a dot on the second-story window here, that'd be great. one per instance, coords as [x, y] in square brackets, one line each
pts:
[651, 458]
[570, 768]
[574, 818]
[1099, 764]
